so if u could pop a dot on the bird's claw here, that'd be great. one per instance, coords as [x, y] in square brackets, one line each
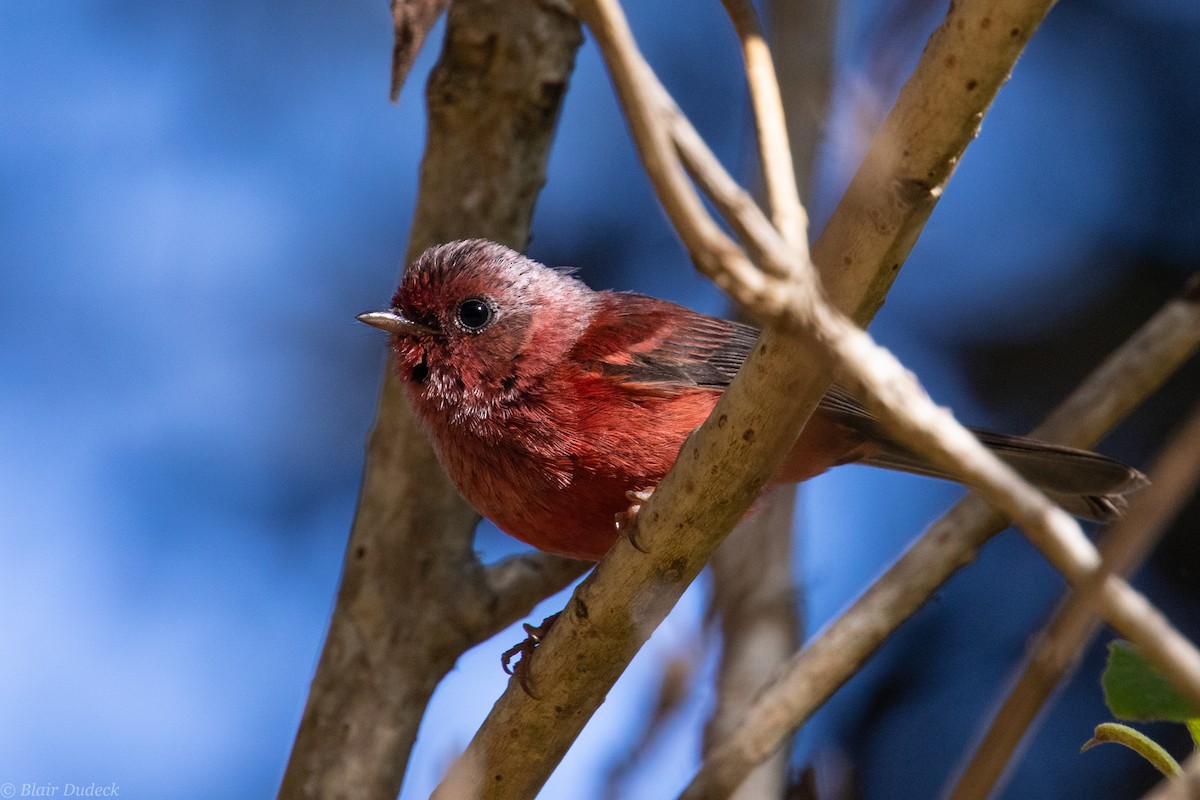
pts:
[626, 520]
[524, 649]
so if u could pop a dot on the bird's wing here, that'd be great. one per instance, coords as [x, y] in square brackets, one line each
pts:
[654, 346]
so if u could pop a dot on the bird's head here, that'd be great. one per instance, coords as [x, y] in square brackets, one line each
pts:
[473, 323]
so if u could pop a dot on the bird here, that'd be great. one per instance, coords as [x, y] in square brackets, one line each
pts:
[555, 408]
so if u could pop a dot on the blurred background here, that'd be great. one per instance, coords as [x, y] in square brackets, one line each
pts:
[197, 198]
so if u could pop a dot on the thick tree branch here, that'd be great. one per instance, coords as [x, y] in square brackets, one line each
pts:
[1127, 377]
[1057, 650]
[413, 596]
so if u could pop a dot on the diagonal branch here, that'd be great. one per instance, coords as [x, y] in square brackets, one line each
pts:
[893, 394]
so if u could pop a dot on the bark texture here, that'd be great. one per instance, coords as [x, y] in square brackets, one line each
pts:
[413, 596]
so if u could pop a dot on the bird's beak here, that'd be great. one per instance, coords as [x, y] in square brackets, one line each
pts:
[392, 321]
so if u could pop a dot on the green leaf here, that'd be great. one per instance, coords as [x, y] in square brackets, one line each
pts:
[1134, 689]
[1193, 726]
[1138, 742]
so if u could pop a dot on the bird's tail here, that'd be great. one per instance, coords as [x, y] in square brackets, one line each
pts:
[1086, 484]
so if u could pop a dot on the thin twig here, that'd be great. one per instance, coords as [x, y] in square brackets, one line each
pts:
[906, 411]
[1124, 379]
[775, 154]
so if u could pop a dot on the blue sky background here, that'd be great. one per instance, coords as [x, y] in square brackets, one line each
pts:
[195, 200]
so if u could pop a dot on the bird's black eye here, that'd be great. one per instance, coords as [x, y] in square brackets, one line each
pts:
[474, 314]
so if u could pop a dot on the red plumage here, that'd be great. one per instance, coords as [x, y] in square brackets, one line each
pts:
[547, 401]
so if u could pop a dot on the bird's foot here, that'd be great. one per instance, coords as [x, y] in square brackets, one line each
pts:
[524, 649]
[626, 520]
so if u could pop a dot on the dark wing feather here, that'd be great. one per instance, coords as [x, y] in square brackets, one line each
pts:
[843, 407]
[651, 343]
[658, 346]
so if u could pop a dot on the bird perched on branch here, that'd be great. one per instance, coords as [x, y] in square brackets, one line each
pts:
[551, 405]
